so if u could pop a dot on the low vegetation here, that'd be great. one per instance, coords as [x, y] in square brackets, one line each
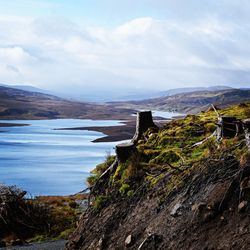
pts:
[31, 220]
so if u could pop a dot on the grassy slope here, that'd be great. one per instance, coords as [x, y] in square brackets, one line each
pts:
[165, 171]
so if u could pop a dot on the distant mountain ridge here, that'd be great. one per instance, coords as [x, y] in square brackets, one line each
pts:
[176, 91]
[113, 94]
[21, 104]
[191, 102]
[28, 88]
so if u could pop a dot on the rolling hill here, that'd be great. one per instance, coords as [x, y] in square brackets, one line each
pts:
[22, 104]
[191, 102]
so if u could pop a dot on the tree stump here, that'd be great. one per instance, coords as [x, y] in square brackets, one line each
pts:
[228, 127]
[143, 123]
[124, 151]
[246, 127]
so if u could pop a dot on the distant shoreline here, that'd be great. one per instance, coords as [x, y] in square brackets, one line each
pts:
[6, 124]
[115, 133]
[125, 131]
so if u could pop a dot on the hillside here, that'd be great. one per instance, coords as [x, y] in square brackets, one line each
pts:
[21, 104]
[176, 91]
[183, 186]
[192, 102]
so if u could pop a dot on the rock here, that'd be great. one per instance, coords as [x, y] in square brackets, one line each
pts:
[176, 210]
[129, 241]
[2, 244]
[242, 206]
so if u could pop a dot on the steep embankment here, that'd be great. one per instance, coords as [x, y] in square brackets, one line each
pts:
[192, 102]
[174, 192]
[20, 104]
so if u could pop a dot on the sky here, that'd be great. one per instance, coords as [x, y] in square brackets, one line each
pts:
[124, 44]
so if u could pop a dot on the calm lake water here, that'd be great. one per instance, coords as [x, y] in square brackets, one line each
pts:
[45, 161]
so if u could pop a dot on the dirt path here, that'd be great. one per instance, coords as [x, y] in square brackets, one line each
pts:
[49, 245]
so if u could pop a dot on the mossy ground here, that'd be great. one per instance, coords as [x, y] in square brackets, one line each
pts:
[172, 150]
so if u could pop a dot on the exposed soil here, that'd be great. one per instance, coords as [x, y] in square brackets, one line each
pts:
[201, 215]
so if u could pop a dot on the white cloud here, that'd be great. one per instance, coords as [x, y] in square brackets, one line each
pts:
[144, 52]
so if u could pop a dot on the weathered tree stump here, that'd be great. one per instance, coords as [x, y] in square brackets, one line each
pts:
[246, 127]
[143, 123]
[124, 151]
[228, 127]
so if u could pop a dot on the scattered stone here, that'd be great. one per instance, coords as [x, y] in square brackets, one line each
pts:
[242, 206]
[129, 241]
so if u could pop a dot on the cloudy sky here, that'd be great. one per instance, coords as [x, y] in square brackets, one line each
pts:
[142, 44]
